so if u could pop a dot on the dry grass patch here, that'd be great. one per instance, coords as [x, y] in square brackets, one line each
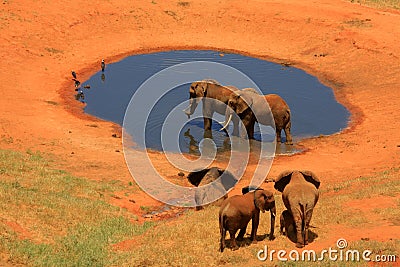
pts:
[379, 3]
[193, 239]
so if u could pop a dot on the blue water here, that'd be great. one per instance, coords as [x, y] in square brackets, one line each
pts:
[313, 106]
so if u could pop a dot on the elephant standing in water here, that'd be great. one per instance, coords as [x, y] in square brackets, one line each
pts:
[214, 193]
[300, 195]
[252, 107]
[215, 98]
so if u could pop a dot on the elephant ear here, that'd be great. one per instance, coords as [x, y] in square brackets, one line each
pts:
[204, 86]
[282, 180]
[242, 101]
[196, 176]
[311, 178]
[259, 199]
[250, 188]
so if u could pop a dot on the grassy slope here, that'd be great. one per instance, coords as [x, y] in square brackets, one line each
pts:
[68, 222]
[66, 219]
[194, 239]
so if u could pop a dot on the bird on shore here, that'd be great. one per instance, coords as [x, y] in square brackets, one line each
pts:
[77, 83]
[73, 74]
[103, 65]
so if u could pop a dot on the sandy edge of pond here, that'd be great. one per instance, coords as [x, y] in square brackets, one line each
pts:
[351, 48]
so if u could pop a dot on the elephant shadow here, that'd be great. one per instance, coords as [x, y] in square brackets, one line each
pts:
[246, 241]
[291, 235]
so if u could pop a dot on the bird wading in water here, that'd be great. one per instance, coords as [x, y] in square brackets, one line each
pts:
[103, 65]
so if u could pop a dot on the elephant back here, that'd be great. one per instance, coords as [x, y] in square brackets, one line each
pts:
[296, 177]
[220, 182]
[205, 176]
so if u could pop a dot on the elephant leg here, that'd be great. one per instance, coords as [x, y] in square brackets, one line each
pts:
[250, 129]
[289, 140]
[235, 121]
[272, 230]
[232, 234]
[222, 241]
[282, 226]
[207, 134]
[307, 225]
[241, 234]
[254, 225]
[278, 135]
[243, 131]
[298, 223]
[207, 124]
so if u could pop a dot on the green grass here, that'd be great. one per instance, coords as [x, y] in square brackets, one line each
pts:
[67, 218]
[87, 244]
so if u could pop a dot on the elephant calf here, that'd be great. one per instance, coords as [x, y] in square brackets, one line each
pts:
[236, 212]
[300, 195]
[220, 182]
[286, 222]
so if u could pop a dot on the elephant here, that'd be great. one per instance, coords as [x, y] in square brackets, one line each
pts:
[236, 212]
[300, 195]
[216, 192]
[286, 222]
[252, 107]
[215, 98]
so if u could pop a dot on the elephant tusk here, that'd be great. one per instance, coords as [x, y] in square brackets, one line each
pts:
[227, 123]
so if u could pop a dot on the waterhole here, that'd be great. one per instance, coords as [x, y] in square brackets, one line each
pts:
[314, 110]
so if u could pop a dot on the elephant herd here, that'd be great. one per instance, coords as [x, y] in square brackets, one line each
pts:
[299, 194]
[299, 188]
[245, 105]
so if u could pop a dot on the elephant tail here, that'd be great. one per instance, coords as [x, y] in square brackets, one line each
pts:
[303, 210]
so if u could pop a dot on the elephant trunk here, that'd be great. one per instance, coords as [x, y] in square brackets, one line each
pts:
[273, 215]
[192, 107]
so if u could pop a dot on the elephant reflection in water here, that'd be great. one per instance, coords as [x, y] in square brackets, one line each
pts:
[207, 145]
